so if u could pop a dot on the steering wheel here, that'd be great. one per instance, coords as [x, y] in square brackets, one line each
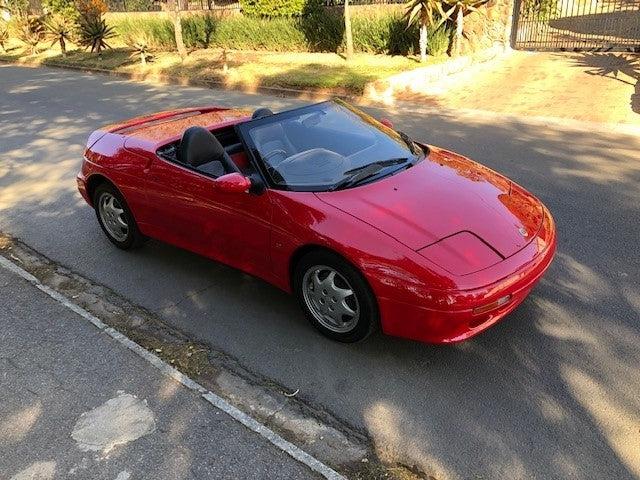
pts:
[277, 151]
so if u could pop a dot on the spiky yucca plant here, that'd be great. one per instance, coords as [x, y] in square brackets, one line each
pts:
[30, 31]
[59, 30]
[94, 32]
[140, 44]
[456, 11]
[423, 12]
[4, 36]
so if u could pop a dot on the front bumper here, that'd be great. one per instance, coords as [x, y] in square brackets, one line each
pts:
[457, 321]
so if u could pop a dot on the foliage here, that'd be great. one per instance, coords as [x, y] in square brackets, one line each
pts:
[64, 8]
[141, 46]
[321, 31]
[456, 10]
[59, 29]
[423, 12]
[539, 9]
[94, 33]
[279, 8]
[15, 7]
[199, 30]
[29, 29]
[91, 9]
[158, 30]
[4, 35]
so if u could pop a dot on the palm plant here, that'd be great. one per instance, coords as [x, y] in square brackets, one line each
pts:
[456, 11]
[59, 30]
[94, 33]
[30, 31]
[423, 12]
[4, 36]
[140, 44]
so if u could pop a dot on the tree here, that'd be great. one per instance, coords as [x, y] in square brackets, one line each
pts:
[347, 31]
[422, 12]
[175, 11]
[456, 11]
[59, 29]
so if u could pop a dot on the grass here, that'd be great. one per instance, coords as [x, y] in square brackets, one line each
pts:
[245, 70]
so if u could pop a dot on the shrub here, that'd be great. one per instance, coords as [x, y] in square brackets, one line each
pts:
[94, 33]
[64, 8]
[4, 36]
[140, 44]
[323, 30]
[29, 29]
[277, 34]
[320, 31]
[278, 8]
[198, 31]
[59, 29]
[158, 31]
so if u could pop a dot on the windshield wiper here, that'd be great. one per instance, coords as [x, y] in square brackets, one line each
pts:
[366, 171]
[410, 143]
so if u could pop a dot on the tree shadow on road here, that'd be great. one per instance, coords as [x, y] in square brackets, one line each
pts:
[551, 392]
[616, 66]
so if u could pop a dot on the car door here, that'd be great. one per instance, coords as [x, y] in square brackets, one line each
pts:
[187, 211]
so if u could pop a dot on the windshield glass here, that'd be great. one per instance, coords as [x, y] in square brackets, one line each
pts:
[328, 146]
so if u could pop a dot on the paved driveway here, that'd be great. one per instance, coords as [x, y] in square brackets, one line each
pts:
[552, 392]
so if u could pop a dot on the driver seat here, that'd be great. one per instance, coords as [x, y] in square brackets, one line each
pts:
[200, 149]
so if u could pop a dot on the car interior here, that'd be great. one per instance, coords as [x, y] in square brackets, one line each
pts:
[213, 153]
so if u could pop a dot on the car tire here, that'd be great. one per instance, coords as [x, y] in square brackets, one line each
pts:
[115, 218]
[335, 297]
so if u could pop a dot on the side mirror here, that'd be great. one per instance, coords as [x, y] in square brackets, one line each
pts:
[386, 122]
[232, 183]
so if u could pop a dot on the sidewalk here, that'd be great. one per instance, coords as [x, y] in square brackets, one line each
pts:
[586, 86]
[74, 403]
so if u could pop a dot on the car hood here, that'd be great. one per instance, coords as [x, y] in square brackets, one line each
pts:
[444, 195]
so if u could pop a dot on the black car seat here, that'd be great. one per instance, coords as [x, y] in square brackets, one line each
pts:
[200, 149]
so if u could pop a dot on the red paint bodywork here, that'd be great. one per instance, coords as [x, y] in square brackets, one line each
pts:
[434, 242]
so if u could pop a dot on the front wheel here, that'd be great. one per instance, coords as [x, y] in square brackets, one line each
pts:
[335, 297]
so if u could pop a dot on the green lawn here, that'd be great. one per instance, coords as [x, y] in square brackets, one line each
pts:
[244, 69]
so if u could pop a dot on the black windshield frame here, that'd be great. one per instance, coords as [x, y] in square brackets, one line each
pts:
[244, 129]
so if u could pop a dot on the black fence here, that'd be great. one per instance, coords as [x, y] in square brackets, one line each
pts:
[577, 25]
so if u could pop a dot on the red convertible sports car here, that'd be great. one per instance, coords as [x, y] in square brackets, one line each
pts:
[367, 227]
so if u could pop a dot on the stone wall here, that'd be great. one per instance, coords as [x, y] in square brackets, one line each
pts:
[489, 26]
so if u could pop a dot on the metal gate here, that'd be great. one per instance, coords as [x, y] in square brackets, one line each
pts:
[576, 25]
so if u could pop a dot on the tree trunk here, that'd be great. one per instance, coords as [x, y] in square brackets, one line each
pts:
[177, 27]
[423, 42]
[347, 31]
[63, 46]
[143, 58]
[459, 30]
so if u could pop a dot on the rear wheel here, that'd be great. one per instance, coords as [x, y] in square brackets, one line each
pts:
[115, 218]
[335, 297]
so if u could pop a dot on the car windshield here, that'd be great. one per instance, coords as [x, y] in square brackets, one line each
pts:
[328, 146]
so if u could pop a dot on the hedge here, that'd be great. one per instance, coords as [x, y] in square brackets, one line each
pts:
[322, 31]
[279, 8]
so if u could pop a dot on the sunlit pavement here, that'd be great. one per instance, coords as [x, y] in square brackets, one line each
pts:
[551, 392]
[74, 403]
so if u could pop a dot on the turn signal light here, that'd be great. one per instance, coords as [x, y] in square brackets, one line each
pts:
[493, 305]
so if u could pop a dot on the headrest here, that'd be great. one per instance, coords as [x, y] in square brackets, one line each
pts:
[199, 146]
[261, 112]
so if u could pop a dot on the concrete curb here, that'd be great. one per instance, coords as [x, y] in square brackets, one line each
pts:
[309, 434]
[415, 81]
[312, 95]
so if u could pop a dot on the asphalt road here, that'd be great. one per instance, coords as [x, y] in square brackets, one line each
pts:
[75, 403]
[551, 392]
